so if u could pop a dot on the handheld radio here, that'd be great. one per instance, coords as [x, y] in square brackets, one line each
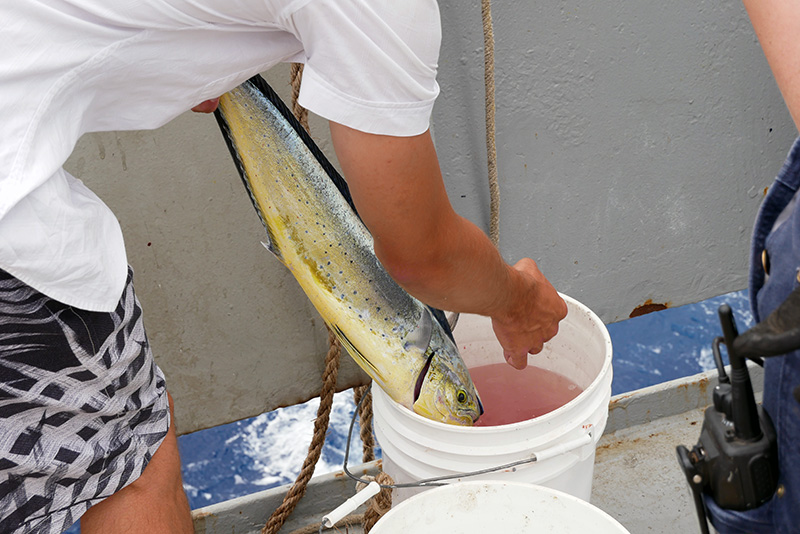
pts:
[735, 461]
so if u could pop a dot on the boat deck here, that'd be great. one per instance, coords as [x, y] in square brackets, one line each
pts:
[636, 478]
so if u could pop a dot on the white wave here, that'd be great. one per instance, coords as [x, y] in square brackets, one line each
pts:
[277, 443]
[193, 466]
[191, 491]
[706, 359]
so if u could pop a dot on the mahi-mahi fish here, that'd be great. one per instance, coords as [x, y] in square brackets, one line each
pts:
[314, 230]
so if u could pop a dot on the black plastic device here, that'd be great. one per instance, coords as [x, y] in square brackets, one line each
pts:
[735, 461]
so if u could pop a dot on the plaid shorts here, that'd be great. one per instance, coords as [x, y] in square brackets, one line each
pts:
[83, 406]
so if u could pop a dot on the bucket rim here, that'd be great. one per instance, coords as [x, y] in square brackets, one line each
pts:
[544, 491]
[590, 390]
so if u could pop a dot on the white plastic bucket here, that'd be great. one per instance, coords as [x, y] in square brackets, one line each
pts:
[482, 507]
[564, 440]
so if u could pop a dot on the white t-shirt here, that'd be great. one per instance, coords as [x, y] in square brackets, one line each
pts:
[74, 66]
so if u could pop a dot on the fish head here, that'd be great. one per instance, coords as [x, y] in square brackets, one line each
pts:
[444, 390]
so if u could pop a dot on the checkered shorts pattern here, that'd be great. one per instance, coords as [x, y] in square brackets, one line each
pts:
[83, 407]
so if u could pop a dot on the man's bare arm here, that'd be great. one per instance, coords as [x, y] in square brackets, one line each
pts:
[777, 26]
[436, 255]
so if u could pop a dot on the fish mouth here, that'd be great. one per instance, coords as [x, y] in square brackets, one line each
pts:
[463, 418]
[459, 418]
[470, 416]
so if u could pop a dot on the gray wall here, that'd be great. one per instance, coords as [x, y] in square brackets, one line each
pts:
[635, 141]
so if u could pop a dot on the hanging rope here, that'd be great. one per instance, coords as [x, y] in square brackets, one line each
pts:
[299, 111]
[491, 148]
[365, 422]
[282, 513]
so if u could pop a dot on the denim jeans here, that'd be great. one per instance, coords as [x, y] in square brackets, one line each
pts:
[780, 515]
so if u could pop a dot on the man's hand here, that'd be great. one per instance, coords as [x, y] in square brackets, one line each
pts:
[207, 106]
[532, 319]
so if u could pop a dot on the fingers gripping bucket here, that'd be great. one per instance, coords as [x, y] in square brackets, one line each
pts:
[563, 441]
[479, 507]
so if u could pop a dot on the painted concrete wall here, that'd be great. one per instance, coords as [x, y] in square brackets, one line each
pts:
[635, 141]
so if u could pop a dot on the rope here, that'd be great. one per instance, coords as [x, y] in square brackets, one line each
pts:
[298, 489]
[365, 421]
[491, 148]
[299, 111]
[380, 503]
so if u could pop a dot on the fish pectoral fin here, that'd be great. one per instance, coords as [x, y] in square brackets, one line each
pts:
[268, 245]
[421, 336]
[357, 355]
[452, 319]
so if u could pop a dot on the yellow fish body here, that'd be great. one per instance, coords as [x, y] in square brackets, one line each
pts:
[313, 229]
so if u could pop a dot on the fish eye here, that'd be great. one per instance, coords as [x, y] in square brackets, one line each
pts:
[461, 396]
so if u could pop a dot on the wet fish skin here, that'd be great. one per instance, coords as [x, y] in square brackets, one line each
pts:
[313, 229]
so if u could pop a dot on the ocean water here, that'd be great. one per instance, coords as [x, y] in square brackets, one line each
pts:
[268, 450]
[672, 343]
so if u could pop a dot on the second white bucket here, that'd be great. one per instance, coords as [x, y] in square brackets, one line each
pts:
[479, 507]
[563, 441]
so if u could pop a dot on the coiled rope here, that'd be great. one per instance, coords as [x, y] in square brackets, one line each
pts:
[382, 502]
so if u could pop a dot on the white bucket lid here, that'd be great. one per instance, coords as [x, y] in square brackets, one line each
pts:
[478, 507]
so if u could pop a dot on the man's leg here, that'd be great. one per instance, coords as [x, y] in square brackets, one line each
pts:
[154, 503]
[83, 408]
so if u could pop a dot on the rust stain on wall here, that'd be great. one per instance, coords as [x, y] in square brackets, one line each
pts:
[648, 307]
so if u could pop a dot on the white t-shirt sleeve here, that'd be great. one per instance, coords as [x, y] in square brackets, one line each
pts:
[370, 65]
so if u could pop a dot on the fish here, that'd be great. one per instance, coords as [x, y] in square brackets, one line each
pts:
[313, 228]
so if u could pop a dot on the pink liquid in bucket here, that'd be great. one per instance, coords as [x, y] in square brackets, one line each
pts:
[510, 395]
